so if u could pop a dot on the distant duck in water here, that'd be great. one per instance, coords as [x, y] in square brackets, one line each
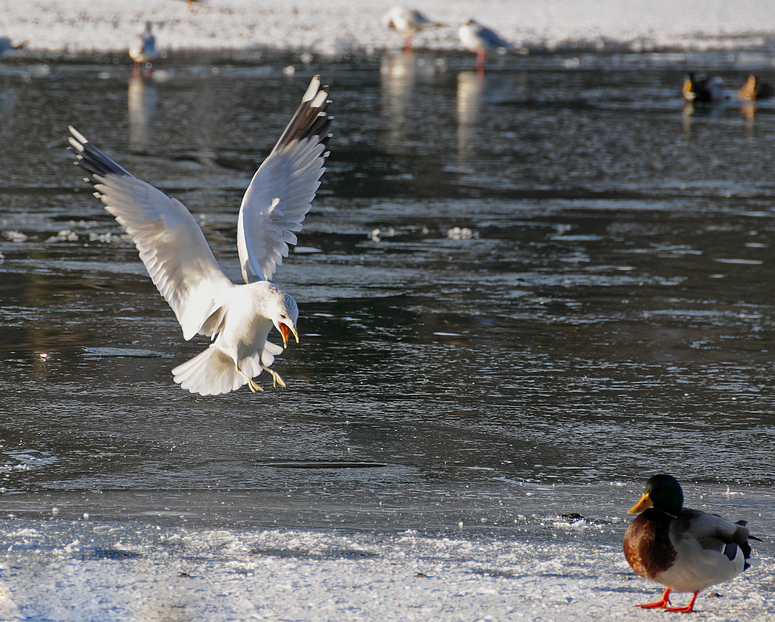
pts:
[755, 89]
[701, 89]
[684, 550]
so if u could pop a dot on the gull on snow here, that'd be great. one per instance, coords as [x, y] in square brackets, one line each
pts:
[408, 22]
[143, 49]
[477, 38]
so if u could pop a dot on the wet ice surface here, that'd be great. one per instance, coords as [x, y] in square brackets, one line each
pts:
[568, 292]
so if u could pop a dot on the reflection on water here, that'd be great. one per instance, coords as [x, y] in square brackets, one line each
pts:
[693, 110]
[470, 85]
[606, 318]
[748, 110]
[141, 100]
[400, 72]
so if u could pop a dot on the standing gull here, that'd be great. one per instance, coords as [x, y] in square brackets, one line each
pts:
[237, 317]
[143, 49]
[479, 39]
[408, 22]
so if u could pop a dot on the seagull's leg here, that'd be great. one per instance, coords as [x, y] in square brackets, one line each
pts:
[408, 43]
[480, 62]
[136, 70]
[275, 376]
[253, 386]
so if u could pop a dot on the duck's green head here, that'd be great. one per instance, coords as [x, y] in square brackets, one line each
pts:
[662, 492]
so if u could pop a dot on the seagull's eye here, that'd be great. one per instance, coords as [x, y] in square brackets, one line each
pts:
[283, 316]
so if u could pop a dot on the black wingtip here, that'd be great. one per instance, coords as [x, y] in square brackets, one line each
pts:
[91, 159]
[310, 118]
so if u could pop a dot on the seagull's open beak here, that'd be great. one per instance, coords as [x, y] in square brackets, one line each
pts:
[644, 504]
[286, 330]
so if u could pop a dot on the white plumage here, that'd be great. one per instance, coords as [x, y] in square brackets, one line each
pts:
[408, 22]
[143, 48]
[237, 317]
[477, 38]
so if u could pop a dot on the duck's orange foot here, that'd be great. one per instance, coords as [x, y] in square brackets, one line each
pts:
[688, 609]
[661, 603]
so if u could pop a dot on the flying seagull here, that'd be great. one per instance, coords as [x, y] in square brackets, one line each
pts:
[237, 317]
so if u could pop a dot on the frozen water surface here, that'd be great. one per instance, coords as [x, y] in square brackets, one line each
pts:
[521, 295]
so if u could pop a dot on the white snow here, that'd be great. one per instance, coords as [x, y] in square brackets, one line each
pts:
[340, 25]
[54, 570]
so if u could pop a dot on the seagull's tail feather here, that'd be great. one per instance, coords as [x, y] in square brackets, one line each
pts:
[209, 373]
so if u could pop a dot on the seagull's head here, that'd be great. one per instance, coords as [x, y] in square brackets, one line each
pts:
[284, 314]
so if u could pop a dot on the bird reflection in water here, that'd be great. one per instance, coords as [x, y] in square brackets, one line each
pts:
[754, 90]
[399, 71]
[701, 110]
[470, 90]
[141, 100]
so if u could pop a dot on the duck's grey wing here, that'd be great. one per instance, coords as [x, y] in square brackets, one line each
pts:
[171, 243]
[711, 529]
[281, 192]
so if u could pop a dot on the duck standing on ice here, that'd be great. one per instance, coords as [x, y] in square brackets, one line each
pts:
[684, 550]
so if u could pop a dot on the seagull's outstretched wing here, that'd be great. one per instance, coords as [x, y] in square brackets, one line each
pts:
[171, 244]
[280, 194]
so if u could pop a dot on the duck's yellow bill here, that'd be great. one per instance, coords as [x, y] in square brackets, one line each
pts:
[688, 91]
[644, 504]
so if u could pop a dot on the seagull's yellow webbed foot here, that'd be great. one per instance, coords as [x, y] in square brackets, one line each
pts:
[251, 385]
[275, 377]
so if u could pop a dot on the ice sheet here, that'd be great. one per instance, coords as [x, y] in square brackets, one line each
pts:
[83, 570]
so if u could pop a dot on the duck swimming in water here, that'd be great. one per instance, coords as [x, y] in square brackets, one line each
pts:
[701, 89]
[755, 89]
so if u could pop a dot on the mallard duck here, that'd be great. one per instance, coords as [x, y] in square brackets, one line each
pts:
[701, 89]
[684, 550]
[408, 22]
[754, 89]
[479, 39]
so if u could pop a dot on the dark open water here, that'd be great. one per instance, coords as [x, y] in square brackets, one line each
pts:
[608, 312]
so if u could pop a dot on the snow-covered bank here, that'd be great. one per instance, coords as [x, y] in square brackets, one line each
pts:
[340, 25]
[62, 570]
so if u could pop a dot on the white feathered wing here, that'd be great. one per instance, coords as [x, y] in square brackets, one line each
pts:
[178, 259]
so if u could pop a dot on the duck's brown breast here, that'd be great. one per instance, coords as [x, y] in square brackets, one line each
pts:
[647, 545]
